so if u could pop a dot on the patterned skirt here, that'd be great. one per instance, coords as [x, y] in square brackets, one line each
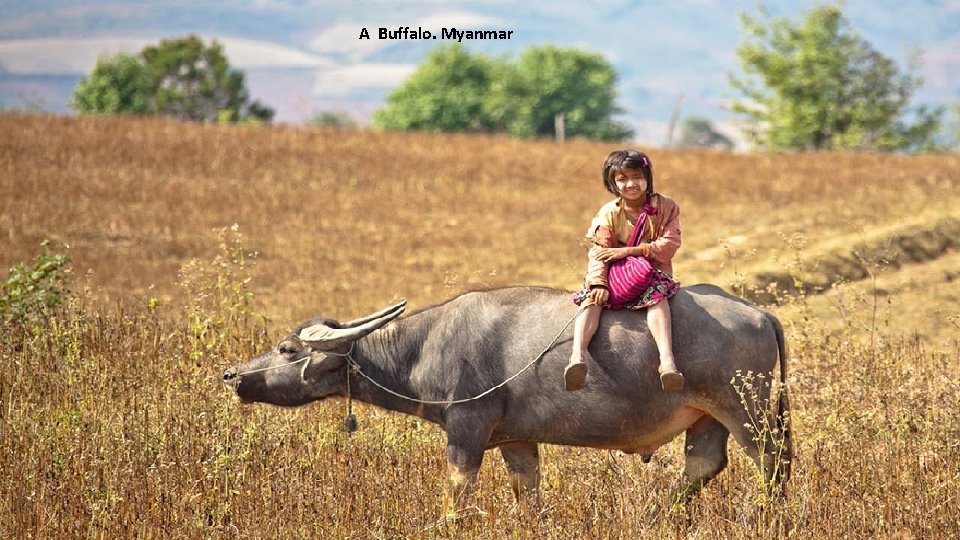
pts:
[662, 286]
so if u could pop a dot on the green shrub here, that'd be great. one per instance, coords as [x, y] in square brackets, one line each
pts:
[32, 292]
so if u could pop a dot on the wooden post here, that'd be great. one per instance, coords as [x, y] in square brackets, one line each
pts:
[558, 127]
[673, 120]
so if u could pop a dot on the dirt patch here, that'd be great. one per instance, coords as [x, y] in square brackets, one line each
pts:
[914, 244]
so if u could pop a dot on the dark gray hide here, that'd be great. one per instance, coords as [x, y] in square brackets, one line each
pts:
[472, 342]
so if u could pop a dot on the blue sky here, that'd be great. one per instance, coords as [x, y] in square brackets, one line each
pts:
[305, 56]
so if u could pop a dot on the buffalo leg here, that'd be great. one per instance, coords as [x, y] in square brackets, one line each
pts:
[523, 465]
[705, 455]
[462, 468]
[465, 446]
[752, 431]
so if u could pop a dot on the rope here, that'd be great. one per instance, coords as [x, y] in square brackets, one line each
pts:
[356, 369]
[300, 361]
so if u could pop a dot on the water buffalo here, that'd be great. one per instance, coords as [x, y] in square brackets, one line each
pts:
[473, 342]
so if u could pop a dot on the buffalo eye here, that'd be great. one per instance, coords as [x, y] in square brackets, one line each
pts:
[287, 348]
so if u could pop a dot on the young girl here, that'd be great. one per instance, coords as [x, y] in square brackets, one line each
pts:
[628, 175]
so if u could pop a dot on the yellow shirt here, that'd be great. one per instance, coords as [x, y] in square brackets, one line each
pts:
[662, 235]
[613, 216]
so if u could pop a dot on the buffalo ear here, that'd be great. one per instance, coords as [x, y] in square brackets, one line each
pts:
[321, 364]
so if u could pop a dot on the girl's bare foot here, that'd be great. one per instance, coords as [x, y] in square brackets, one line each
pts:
[575, 376]
[670, 379]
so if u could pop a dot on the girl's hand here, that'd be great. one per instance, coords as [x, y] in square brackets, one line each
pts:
[598, 296]
[612, 254]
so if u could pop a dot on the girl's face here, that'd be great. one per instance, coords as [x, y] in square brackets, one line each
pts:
[631, 184]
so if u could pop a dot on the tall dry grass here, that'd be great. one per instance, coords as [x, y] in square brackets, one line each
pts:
[113, 424]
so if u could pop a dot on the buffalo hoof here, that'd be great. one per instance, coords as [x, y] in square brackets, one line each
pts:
[672, 381]
[575, 376]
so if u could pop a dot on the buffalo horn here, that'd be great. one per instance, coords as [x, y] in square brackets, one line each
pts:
[326, 338]
[373, 316]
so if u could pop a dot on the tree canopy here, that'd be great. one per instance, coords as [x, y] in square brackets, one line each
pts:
[577, 84]
[117, 84]
[183, 78]
[455, 90]
[448, 92]
[817, 85]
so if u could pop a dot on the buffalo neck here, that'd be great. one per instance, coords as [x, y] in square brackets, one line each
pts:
[389, 357]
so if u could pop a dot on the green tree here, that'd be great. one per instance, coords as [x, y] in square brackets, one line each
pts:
[445, 93]
[194, 81]
[454, 90]
[117, 84]
[697, 132]
[578, 84]
[817, 85]
[183, 78]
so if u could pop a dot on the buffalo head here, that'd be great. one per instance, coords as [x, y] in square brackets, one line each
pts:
[307, 365]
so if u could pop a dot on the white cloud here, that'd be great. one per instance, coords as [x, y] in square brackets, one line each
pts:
[45, 18]
[78, 55]
[458, 19]
[249, 54]
[344, 38]
[61, 56]
[271, 4]
[338, 82]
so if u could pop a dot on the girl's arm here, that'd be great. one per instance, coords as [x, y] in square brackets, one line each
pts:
[603, 238]
[665, 246]
[661, 249]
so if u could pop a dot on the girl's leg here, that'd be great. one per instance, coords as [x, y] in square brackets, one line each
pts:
[583, 330]
[659, 322]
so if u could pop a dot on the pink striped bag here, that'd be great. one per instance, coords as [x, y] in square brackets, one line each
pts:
[629, 277]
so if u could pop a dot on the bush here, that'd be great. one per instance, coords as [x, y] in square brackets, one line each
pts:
[32, 292]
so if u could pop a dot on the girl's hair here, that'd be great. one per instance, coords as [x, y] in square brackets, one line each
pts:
[618, 161]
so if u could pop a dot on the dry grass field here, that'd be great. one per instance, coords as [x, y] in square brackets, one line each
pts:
[196, 246]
